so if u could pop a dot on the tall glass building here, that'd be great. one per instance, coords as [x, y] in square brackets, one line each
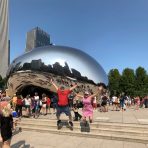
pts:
[4, 41]
[37, 38]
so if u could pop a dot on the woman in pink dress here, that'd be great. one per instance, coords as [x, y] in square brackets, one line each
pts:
[87, 110]
[87, 101]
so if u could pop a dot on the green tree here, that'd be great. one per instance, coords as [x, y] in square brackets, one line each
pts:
[2, 82]
[141, 82]
[127, 82]
[1, 78]
[114, 79]
[146, 89]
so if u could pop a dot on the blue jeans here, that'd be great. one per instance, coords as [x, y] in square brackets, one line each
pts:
[122, 104]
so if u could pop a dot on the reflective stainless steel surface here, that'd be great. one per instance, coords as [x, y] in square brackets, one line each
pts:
[39, 65]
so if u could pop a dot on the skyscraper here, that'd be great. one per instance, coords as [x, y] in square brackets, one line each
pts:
[37, 38]
[4, 41]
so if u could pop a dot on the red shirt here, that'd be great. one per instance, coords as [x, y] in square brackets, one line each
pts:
[48, 101]
[63, 97]
[19, 102]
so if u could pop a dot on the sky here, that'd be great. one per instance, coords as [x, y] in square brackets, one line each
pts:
[114, 32]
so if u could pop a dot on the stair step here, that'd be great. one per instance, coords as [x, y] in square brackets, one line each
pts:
[99, 135]
[92, 129]
[95, 124]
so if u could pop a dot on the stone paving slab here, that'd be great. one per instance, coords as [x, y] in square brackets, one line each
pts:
[129, 116]
[28, 139]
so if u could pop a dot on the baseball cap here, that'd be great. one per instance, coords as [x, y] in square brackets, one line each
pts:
[62, 87]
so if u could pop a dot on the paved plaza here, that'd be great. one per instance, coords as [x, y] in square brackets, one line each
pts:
[32, 139]
[129, 116]
[47, 140]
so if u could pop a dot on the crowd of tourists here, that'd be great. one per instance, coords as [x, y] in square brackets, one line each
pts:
[123, 102]
[33, 106]
[66, 100]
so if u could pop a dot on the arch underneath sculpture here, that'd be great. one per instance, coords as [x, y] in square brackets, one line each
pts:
[31, 89]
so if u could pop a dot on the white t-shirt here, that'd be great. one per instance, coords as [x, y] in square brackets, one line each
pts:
[27, 101]
[36, 98]
[114, 98]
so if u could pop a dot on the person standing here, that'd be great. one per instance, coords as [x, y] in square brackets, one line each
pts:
[62, 105]
[114, 99]
[6, 122]
[104, 103]
[36, 96]
[19, 106]
[27, 105]
[71, 98]
[44, 104]
[122, 101]
[76, 112]
[0, 95]
[14, 101]
[48, 105]
[54, 101]
[95, 103]
[137, 100]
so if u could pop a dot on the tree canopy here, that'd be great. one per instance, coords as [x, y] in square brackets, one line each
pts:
[2, 82]
[133, 83]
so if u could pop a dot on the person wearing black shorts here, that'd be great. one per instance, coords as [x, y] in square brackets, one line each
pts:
[104, 103]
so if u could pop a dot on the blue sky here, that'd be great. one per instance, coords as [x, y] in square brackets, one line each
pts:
[114, 32]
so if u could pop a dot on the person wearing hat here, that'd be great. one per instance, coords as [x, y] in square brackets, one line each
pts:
[87, 100]
[62, 105]
[87, 111]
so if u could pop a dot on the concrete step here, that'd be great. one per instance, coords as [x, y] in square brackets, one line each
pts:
[92, 129]
[109, 136]
[120, 126]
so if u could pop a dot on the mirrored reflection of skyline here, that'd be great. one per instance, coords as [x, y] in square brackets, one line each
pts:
[56, 68]
[80, 64]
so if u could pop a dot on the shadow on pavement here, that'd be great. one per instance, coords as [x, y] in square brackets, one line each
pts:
[21, 144]
[0, 144]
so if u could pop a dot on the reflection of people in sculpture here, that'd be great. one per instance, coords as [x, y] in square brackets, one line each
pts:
[87, 100]
[62, 106]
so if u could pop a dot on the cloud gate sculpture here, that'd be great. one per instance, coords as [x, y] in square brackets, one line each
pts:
[65, 65]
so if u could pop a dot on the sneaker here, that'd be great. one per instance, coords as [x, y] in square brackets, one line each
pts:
[71, 125]
[59, 124]
[90, 121]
